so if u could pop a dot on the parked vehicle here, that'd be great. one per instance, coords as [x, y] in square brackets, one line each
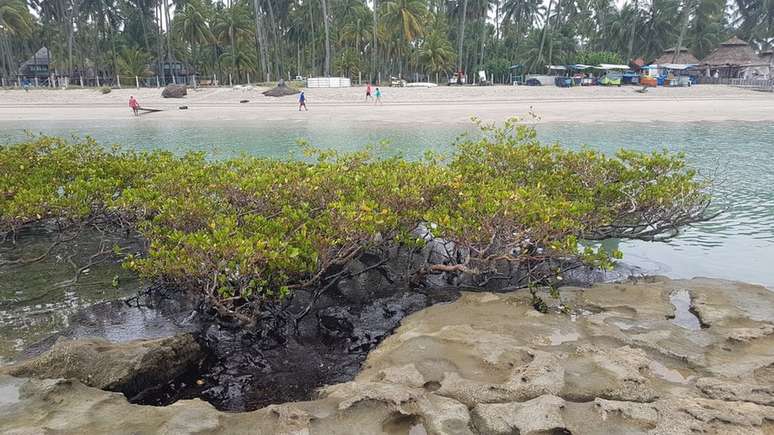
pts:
[397, 82]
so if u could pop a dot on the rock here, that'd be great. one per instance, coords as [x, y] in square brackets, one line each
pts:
[486, 363]
[174, 91]
[125, 367]
[281, 90]
[336, 322]
[540, 415]
[736, 391]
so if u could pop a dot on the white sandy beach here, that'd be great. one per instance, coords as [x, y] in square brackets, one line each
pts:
[441, 105]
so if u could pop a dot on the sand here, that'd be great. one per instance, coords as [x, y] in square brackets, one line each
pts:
[440, 105]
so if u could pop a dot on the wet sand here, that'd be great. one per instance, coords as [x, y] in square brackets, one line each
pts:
[440, 105]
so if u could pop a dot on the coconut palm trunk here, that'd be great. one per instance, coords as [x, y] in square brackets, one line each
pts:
[327, 64]
[546, 29]
[632, 31]
[260, 42]
[461, 37]
[168, 29]
[374, 53]
[277, 41]
[683, 29]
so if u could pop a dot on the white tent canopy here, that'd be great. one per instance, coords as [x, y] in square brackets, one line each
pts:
[608, 66]
[676, 66]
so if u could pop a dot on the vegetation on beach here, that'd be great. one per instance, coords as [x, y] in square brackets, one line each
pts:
[281, 38]
[246, 232]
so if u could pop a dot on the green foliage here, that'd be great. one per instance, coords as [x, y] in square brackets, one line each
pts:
[105, 90]
[249, 230]
[598, 57]
[134, 62]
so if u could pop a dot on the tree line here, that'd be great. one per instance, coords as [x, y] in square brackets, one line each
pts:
[269, 39]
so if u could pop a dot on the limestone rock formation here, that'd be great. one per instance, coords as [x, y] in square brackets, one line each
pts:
[125, 367]
[624, 360]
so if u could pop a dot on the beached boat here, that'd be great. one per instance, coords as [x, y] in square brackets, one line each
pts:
[421, 85]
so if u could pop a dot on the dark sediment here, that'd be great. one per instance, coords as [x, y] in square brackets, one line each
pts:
[246, 371]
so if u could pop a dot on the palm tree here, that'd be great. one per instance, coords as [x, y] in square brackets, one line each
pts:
[632, 30]
[436, 53]
[231, 25]
[191, 24]
[407, 18]
[326, 19]
[260, 39]
[686, 10]
[15, 20]
[243, 60]
[461, 35]
[133, 62]
[374, 49]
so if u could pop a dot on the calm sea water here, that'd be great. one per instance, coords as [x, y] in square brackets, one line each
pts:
[737, 245]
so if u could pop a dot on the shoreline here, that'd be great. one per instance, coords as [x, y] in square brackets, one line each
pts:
[440, 106]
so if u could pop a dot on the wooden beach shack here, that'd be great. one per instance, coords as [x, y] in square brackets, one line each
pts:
[734, 59]
[36, 67]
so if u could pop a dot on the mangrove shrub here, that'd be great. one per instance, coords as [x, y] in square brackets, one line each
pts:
[246, 232]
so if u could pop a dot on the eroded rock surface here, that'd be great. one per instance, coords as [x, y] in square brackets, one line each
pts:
[128, 367]
[621, 362]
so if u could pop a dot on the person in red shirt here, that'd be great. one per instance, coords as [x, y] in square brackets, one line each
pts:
[135, 105]
[368, 92]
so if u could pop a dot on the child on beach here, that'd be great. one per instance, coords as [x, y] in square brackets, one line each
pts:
[378, 95]
[368, 92]
[302, 102]
[135, 105]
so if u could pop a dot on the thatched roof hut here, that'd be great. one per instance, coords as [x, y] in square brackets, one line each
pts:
[734, 59]
[733, 52]
[684, 57]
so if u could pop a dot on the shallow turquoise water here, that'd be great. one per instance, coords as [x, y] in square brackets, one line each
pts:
[737, 245]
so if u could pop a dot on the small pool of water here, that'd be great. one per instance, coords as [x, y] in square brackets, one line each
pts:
[737, 245]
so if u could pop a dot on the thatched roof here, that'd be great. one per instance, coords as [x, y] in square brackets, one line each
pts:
[684, 57]
[733, 52]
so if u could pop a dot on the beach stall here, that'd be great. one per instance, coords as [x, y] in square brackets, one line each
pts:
[554, 72]
[676, 74]
[517, 74]
[583, 75]
[328, 82]
[734, 59]
[613, 74]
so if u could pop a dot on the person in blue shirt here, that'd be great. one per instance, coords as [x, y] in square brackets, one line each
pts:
[302, 102]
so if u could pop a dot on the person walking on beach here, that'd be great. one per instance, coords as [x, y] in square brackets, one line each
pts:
[302, 102]
[378, 95]
[368, 92]
[135, 105]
